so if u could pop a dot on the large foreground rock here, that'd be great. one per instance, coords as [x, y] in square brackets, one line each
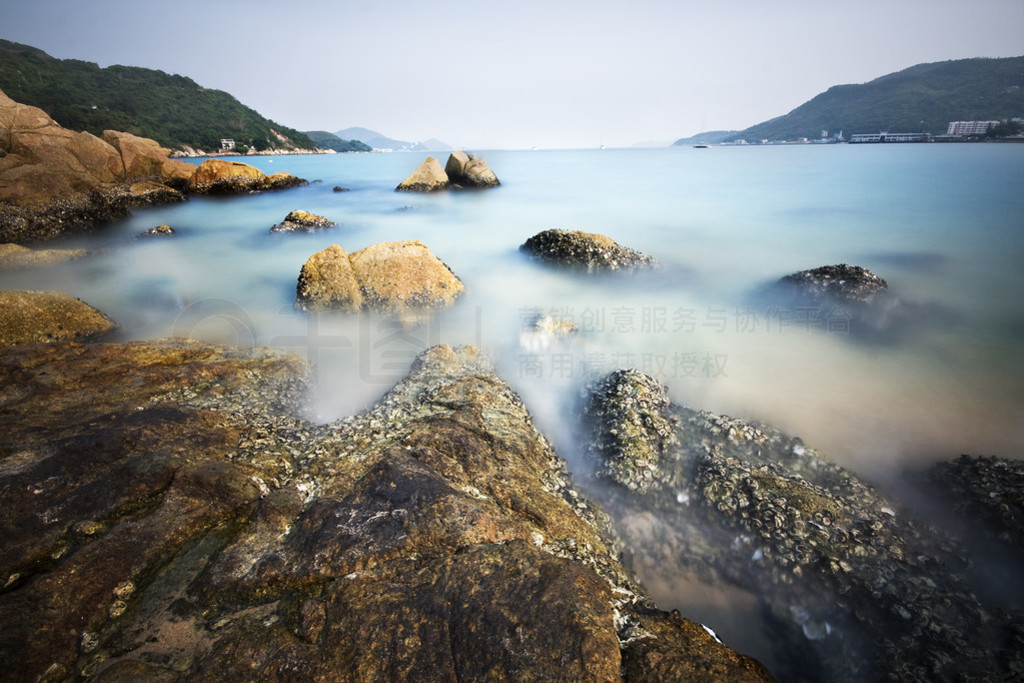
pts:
[30, 317]
[389, 276]
[168, 516]
[854, 588]
[587, 251]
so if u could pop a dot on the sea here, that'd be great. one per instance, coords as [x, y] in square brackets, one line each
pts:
[943, 224]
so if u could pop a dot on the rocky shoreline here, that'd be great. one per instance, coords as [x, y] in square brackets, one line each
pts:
[171, 513]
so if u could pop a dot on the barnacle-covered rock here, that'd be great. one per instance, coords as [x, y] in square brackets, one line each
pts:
[170, 515]
[854, 588]
[586, 251]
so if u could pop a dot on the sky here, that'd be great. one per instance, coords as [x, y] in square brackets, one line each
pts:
[521, 73]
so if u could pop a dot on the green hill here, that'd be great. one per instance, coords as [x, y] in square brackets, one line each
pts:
[325, 140]
[923, 98]
[173, 110]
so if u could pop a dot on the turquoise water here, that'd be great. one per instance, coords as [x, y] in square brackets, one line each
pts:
[941, 223]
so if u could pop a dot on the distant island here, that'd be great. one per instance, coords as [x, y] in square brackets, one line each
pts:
[173, 110]
[921, 99]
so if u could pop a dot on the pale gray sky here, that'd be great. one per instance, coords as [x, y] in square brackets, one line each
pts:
[521, 73]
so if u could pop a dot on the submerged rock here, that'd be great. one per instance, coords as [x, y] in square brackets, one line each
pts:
[212, 534]
[841, 284]
[854, 589]
[469, 170]
[30, 317]
[389, 277]
[158, 231]
[302, 221]
[428, 177]
[17, 256]
[578, 250]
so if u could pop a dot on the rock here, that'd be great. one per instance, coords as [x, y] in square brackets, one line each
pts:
[469, 170]
[327, 281]
[428, 177]
[302, 221]
[578, 250]
[394, 276]
[390, 277]
[159, 231]
[216, 176]
[212, 534]
[54, 181]
[339, 188]
[986, 494]
[30, 317]
[837, 284]
[17, 256]
[854, 589]
[145, 159]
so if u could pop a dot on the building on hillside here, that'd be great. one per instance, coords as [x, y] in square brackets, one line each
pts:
[227, 144]
[970, 127]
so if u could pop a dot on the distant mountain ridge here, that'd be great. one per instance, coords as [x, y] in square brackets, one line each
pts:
[325, 140]
[173, 110]
[379, 141]
[710, 137]
[923, 98]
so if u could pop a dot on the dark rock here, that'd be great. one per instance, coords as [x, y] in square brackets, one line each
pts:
[854, 589]
[169, 516]
[302, 221]
[841, 284]
[986, 493]
[577, 250]
[339, 188]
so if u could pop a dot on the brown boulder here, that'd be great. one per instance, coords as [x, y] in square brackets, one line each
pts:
[144, 158]
[302, 221]
[389, 276]
[469, 170]
[30, 317]
[428, 177]
[327, 281]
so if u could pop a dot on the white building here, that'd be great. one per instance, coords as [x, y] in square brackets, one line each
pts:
[227, 144]
[970, 127]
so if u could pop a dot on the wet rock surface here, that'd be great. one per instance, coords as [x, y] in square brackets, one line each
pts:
[589, 252]
[302, 221]
[986, 492]
[30, 317]
[853, 587]
[169, 515]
